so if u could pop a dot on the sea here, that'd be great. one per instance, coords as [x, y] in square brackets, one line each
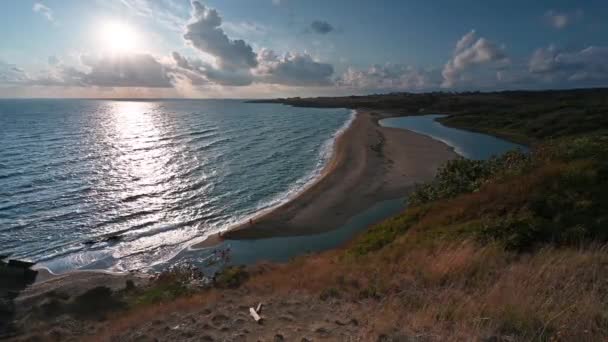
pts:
[130, 184]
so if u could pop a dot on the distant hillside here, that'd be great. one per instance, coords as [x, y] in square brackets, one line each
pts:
[522, 116]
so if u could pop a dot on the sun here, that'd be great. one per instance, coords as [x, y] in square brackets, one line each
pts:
[118, 37]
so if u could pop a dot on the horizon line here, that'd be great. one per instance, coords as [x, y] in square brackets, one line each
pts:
[311, 96]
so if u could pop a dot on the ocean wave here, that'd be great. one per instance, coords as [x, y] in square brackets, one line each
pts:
[158, 178]
[301, 185]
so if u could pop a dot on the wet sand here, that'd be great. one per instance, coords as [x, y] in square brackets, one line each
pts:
[370, 163]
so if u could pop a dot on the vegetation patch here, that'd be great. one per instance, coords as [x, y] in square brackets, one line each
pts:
[231, 277]
[179, 281]
[557, 194]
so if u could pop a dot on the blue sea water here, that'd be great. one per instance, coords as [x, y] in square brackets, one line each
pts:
[158, 173]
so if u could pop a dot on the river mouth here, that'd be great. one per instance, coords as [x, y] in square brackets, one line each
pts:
[470, 145]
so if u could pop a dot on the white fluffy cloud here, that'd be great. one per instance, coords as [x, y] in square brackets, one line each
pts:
[205, 34]
[560, 20]
[136, 70]
[236, 64]
[296, 69]
[201, 73]
[291, 70]
[470, 54]
[587, 65]
[45, 11]
[390, 77]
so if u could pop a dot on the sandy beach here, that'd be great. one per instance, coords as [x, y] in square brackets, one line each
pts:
[370, 163]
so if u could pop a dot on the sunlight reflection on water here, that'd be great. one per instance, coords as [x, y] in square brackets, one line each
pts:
[124, 184]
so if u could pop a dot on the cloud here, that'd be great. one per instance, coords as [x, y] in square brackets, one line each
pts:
[136, 70]
[466, 41]
[53, 60]
[246, 29]
[223, 63]
[560, 20]
[470, 54]
[167, 12]
[203, 31]
[11, 74]
[236, 64]
[543, 60]
[587, 66]
[321, 27]
[291, 69]
[45, 11]
[296, 69]
[390, 77]
[201, 73]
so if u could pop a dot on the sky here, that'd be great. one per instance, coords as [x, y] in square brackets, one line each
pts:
[276, 48]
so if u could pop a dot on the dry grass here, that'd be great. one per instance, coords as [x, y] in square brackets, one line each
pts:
[464, 291]
[452, 291]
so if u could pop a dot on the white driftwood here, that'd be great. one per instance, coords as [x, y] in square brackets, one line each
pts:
[255, 315]
[258, 309]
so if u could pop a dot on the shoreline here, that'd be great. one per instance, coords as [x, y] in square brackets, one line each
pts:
[369, 164]
[358, 174]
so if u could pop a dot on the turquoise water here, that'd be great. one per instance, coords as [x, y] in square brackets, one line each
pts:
[468, 144]
[158, 174]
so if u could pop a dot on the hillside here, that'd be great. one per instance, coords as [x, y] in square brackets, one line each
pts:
[522, 116]
[511, 249]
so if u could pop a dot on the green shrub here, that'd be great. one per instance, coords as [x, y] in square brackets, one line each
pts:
[594, 147]
[175, 282]
[161, 292]
[231, 277]
[460, 176]
[515, 231]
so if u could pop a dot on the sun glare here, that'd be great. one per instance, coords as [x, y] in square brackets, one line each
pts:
[118, 37]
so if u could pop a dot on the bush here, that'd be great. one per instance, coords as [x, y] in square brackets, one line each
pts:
[172, 283]
[460, 176]
[516, 232]
[231, 277]
[594, 147]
